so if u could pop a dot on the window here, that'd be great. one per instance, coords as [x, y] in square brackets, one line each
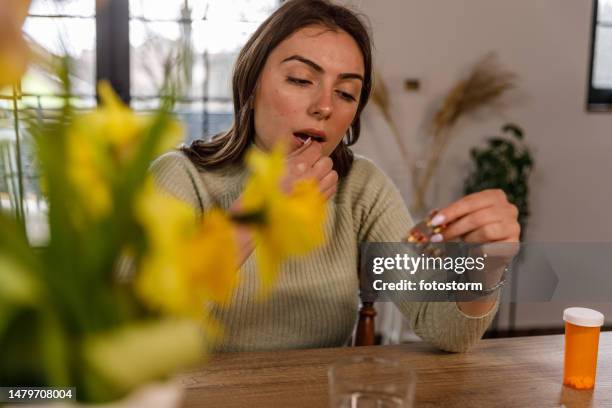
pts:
[600, 78]
[52, 29]
[214, 30]
[126, 42]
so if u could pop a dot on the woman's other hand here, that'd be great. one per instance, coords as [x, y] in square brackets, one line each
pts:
[481, 217]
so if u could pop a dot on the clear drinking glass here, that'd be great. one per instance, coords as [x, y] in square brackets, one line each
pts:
[366, 382]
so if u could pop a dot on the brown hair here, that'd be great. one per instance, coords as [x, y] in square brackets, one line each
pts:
[230, 146]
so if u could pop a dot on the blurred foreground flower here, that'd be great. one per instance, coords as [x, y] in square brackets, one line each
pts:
[13, 47]
[101, 144]
[292, 224]
[187, 262]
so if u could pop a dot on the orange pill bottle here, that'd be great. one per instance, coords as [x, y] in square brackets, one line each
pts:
[582, 328]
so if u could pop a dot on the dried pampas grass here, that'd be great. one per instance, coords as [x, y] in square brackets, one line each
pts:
[380, 97]
[483, 86]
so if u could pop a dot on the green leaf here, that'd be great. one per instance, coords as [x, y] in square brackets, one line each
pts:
[515, 130]
[505, 165]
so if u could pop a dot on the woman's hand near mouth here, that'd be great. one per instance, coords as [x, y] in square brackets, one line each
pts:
[308, 162]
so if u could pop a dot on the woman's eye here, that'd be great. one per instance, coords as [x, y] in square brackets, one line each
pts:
[298, 81]
[347, 96]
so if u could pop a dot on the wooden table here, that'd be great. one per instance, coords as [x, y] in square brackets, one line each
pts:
[514, 372]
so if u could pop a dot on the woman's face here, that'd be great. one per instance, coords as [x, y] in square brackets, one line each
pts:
[309, 86]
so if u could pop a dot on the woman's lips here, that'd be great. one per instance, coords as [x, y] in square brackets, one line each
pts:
[298, 141]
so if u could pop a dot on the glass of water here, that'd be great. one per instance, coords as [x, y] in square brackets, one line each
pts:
[367, 382]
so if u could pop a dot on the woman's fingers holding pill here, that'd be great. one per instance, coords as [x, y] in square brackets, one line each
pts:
[485, 216]
[472, 222]
[300, 161]
[308, 162]
[468, 204]
[299, 164]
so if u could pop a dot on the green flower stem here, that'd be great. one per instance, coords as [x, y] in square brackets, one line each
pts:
[19, 210]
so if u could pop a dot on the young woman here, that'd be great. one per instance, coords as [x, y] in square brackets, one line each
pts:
[303, 78]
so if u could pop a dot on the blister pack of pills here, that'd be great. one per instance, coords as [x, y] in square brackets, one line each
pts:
[421, 234]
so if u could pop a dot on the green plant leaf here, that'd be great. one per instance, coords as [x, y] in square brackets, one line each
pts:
[505, 165]
[515, 130]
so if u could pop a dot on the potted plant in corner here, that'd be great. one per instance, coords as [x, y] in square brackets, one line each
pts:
[505, 163]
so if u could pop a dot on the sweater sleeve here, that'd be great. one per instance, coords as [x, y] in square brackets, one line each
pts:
[385, 218]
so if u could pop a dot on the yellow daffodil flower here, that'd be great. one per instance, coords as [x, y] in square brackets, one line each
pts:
[188, 263]
[84, 169]
[293, 223]
[263, 184]
[122, 129]
[101, 142]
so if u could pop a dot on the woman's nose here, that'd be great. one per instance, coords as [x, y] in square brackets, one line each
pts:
[321, 108]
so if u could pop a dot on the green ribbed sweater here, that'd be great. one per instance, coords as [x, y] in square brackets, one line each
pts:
[315, 301]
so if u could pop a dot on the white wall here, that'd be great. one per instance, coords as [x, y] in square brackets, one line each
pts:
[546, 42]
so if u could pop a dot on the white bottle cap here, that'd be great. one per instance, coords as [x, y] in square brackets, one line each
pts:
[581, 316]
